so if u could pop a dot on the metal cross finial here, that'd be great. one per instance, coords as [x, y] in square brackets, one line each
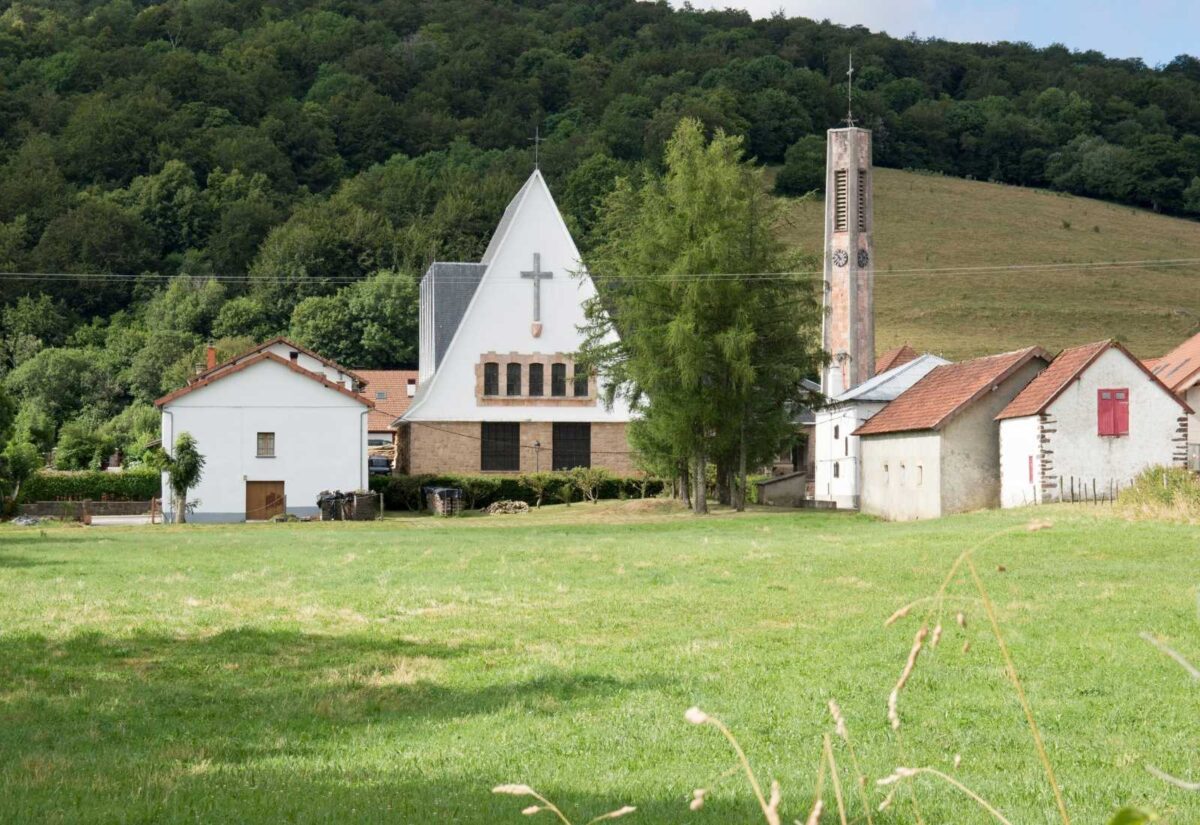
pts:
[537, 275]
[536, 140]
[850, 92]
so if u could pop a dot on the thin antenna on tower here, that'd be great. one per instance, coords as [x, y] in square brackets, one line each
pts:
[850, 92]
[536, 140]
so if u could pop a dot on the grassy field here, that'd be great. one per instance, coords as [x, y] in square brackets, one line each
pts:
[929, 222]
[396, 671]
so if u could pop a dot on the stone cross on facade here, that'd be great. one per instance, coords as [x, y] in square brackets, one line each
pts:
[537, 275]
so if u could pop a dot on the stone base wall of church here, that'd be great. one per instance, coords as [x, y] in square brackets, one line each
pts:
[454, 447]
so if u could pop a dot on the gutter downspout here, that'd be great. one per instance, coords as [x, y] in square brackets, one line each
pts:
[364, 482]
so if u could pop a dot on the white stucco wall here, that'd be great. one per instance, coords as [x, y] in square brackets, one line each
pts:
[842, 449]
[901, 475]
[1019, 444]
[1077, 449]
[320, 439]
[500, 316]
[1192, 397]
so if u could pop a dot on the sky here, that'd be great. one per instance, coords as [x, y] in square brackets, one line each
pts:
[1154, 30]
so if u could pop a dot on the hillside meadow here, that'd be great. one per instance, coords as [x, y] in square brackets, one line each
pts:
[930, 222]
[397, 671]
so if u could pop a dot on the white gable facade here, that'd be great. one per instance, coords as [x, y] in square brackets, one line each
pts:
[498, 387]
[838, 471]
[273, 435]
[1071, 448]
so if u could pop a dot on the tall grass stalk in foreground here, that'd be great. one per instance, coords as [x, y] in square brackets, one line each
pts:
[1194, 673]
[547, 806]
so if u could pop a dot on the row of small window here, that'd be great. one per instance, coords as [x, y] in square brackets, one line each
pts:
[536, 380]
[500, 447]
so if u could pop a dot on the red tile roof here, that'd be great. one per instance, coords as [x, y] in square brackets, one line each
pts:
[1179, 369]
[894, 358]
[289, 344]
[1066, 367]
[395, 384]
[212, 376]
[1050, 382]
[946, 390]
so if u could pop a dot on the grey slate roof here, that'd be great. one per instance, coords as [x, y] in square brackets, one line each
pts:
[448, 288]
[888, 385]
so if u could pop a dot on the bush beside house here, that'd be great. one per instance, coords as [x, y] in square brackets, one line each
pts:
[405, 492]
[94, 485]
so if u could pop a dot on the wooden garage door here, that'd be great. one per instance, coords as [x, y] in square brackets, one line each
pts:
[264, 499]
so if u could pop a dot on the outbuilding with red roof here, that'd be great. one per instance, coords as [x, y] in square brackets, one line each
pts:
[935, 449]
[1086, 426]
[1179, 369]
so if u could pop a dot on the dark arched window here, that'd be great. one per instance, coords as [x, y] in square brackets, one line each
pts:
[558, 379]
[491, 378]
[581, 381]
[536, 373]
[513, 380]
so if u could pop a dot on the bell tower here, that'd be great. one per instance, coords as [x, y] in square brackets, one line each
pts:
[848, 325]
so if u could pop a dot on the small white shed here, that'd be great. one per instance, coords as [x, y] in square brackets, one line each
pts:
[1094, 419]
[1179, 370]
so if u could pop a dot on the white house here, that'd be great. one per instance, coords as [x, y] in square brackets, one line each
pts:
[1179, 370]
[1094, 419]
[838, 477]
[276, 425]
[935, 450]
[499, 390]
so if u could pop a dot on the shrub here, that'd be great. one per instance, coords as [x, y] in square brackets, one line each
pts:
[407, 492]
[55, 485]
[1160, 489]
[587, 481]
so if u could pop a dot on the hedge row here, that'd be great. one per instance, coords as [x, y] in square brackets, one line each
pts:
[404, 492]
[94, 485]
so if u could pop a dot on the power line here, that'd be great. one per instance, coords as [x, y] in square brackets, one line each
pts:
[1064, 266]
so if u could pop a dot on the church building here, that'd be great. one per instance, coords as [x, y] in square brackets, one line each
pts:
[498, 389]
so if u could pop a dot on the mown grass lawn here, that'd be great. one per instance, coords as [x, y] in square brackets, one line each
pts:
[395, 672]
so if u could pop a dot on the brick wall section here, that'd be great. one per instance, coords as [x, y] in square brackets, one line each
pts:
[454, 447]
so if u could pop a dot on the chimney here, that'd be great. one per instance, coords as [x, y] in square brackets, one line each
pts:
[412, 387]
[210, 357]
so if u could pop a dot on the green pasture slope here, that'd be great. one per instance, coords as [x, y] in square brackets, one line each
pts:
[394, 672]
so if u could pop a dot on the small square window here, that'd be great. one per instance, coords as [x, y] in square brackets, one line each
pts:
[266, 445]
[381, 395]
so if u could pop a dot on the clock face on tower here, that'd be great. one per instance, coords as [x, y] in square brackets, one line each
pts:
[863, 258]
[840, 258]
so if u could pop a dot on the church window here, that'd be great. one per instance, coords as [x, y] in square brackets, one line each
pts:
[491, 378]
[512, 379]
[581, 381]
[500, 446]
[836, 470]
[862, 201]
[1112, 410]
[536, 373]
[841, 196]
[558, 379]
[836, 430]
[572, 446]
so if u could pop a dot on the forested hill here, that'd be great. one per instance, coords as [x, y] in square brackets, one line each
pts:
[301, 162]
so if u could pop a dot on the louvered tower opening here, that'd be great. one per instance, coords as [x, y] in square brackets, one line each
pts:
[862, 200]
[841, 197]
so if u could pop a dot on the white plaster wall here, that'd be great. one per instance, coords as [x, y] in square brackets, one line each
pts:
[320, 439]
[901, 475]
[971, 446]
[1078, 449]
[1018, 443]
[844, 450]
[500, 316]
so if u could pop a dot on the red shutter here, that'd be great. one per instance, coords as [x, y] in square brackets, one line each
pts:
[1121, 412]
[1104, 412]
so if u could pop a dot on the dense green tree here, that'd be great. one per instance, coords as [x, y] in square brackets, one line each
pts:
[714, 364]
[82, 446]
[21, 460]
[184, 466]
[64, 382]
[804, 167]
